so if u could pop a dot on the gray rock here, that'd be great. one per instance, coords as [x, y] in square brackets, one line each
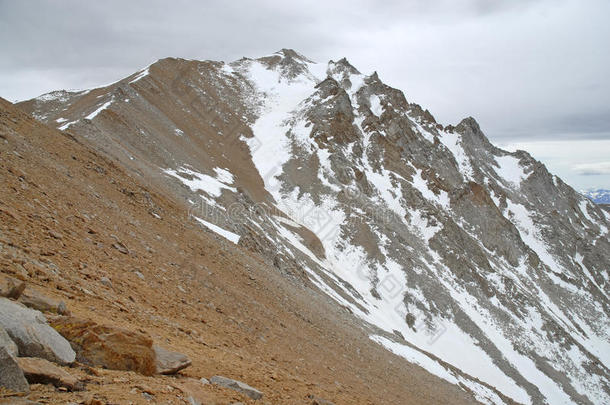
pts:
[29, 330]
[11, 376]
[7, 343]
[236, 386]
[169, 362]
[35, 300]
[106, 281]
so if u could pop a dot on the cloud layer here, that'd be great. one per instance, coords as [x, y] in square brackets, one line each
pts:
[525, 69]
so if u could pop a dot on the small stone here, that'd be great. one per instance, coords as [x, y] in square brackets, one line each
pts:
[140, 275]
[11, 376]
[236, 386]
[120, 247]
[169, 362]
[56, 235]
[318, 401]
[41, 371]
[106, 281]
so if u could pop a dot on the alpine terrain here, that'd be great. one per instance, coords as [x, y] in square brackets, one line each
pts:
[473, 263]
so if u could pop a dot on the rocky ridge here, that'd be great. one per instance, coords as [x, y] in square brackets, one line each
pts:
[428, 233]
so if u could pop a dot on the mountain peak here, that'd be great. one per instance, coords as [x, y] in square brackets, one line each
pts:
[292, 54]
[343, 65]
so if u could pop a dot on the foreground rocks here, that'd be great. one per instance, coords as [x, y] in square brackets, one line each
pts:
[236, 386]
[29, 330]
[7, 343]
[167, 362]
[107, 346]
[41, 371]
[11, 376]
[35, 300]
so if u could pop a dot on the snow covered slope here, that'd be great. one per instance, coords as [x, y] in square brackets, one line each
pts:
[475, 263]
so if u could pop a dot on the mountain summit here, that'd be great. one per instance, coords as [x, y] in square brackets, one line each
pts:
[475, 263]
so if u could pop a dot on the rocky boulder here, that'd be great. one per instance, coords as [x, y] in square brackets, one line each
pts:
[236, 386]
[169, 362]
[107, 346]
[35, 300]
[32, 335]
[7, 343]
[41, 371]
[11, 376]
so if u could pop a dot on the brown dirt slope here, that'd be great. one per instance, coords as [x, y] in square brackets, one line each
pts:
[69, 216]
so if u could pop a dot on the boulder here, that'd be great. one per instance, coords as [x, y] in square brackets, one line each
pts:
[169, 362]
[236, 386]
[7, 343]
[41, 371]
[11, 376]
[35, 300]
[29, 330]
[107, 346]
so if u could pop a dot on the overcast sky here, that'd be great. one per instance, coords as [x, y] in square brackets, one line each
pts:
[534, 73]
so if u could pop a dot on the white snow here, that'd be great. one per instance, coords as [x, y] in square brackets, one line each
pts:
[376, 107]
[510, 170]
[141, 74]
[221, 231]
[67, 125]
[99, 110]
[520, 217]
[453, 142]
[203, 182]
[442, 198]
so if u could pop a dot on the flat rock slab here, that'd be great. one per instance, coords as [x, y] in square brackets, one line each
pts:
[107, 346]
[41, 371]
[7, 343]
[11, 376]
[29, 330]
[169, 362]
[236, 386]
[35, 300]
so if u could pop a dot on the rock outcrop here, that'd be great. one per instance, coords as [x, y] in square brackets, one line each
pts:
[11, 376]
[32, 334]
[41, 371]
[107, 346]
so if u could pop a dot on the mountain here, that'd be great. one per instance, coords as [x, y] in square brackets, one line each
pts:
[475, 263]
[599, 196]
[81, 229]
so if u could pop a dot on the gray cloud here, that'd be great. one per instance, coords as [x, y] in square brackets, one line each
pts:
[593, 169]
[526, 69]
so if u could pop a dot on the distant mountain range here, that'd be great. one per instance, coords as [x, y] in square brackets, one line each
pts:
[599, 196]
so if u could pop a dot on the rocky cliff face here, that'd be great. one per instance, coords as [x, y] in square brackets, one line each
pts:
[475, 263]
